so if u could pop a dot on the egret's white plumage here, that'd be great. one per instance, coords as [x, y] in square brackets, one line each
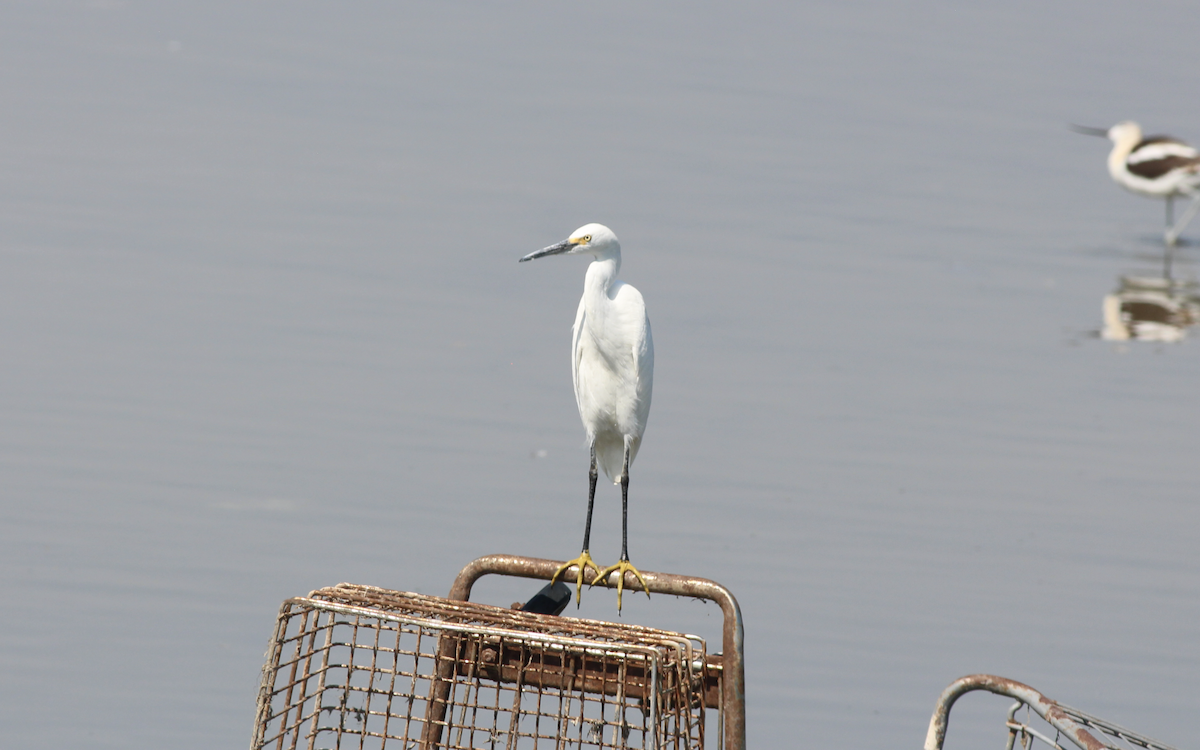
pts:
[612, 358]
[1158, 166]
[612, 366]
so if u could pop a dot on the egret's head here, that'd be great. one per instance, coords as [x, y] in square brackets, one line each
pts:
[593, 239]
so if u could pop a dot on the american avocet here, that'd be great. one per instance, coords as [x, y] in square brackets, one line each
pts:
[612, 361]
[1158, 166]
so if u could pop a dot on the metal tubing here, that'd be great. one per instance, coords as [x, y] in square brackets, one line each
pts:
[733, 670]
[1012, 725]
[1041, 705]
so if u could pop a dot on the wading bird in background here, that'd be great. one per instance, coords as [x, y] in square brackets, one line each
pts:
[1158, 166]
[612, 362]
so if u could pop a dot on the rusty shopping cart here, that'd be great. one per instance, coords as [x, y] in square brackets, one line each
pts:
[354, 666]
[1035, 718]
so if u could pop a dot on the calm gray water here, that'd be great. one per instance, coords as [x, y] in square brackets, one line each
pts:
[264, 330]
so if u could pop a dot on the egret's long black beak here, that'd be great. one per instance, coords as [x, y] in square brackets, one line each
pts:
[558, 249]
[1101, 132]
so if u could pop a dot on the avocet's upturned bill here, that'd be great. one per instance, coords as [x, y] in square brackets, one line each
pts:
[612, 361]
[1158, 166]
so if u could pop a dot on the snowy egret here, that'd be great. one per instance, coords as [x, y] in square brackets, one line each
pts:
[1158, 166]
[612, 363]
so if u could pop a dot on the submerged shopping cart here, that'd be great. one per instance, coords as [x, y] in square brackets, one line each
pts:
[1035, 718]
[353, 666]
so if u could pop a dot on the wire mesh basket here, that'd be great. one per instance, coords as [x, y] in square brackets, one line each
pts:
[361, 667]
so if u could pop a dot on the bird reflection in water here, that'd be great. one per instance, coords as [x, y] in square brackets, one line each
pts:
[1150, 308]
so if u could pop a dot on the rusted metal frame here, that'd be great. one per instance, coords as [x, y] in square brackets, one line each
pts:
[355, 623]
[471, 629]
[304, 653]
[556, 668]
[564, 710]
[353, 595]
[416, 673]
[371, 690]
[1022, 727]
[322, 675]
[1014, 729]
[473, 684]
[296, 705]
[1044, 707]
[266, 687]
[1012, 732]
[514, 719]
[496, 694]
[619, 699]
[603, 703]
[522, 672]
[346, 691]
[1112, 730]
[733, 683]
[292, 682]
[301, 653]
[582, 718]
[681, 645]
[538, 713]
[387, 706]
[708, 670]
[467, 704]
[444, 667]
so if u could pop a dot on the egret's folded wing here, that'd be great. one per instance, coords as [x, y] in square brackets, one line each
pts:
[576, 353]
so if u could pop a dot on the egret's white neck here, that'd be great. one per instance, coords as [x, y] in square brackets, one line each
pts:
[601, 274]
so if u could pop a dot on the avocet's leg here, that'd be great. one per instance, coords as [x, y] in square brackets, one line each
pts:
[1176, 230]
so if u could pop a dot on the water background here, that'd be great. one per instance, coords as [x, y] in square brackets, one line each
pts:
[263, 330]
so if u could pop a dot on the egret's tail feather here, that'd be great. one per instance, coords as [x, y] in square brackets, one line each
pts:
[610, 455]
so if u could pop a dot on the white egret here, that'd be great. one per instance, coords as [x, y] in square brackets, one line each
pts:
[612, 363]
[1158, 166]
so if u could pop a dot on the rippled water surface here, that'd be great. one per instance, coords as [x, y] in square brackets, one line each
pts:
[264, 330]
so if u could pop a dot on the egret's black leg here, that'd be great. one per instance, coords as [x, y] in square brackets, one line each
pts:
[585, 558]
[623, 565]
[592, 476]
[625, 509]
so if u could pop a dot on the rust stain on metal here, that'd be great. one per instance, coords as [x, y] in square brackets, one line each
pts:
[551, 667]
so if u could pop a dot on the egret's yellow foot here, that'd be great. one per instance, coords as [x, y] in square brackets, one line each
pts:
[583, 561]
[622, 567]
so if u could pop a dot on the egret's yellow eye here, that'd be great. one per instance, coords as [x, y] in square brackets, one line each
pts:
[587, 238]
